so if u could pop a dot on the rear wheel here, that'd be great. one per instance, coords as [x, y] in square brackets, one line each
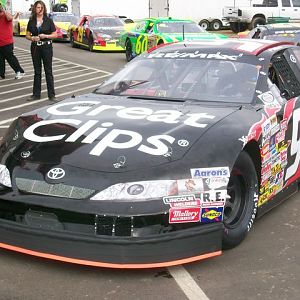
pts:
[240, 209]
[216, 24]
[128, 50]
[204, 24]
[257, 21]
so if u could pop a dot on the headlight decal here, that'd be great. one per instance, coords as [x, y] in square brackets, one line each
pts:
[4, 176]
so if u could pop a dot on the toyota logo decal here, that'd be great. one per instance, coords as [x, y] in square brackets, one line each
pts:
[56, 173]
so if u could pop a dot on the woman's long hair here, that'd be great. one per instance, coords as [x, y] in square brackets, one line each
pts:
[33, 11]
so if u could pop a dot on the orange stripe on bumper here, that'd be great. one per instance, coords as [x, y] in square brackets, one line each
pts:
[111, 265]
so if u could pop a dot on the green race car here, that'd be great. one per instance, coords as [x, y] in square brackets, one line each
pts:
[151, 32]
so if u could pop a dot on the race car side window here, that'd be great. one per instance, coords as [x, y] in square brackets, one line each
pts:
[283, 76]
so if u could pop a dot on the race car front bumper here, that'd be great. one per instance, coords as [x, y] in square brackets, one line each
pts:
[173, 248]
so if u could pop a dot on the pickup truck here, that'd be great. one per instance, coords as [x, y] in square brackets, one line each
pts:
[248, 17]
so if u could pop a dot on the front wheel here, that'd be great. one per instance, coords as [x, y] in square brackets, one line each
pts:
[72, 43]
[241, 206]
[257, 21]
[128, 50]
[91, 44]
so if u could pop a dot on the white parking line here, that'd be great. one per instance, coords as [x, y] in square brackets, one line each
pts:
[187, 283]
[56, 88]
[46, 98]
[6, 121]
[80, 75]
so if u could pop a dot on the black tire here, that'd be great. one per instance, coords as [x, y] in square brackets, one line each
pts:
[19, 30]
[238, 27]
[204, 24]
[257, 21]
[72, 43]
[128, 50]
[160, 42]
[91, 44]
[216, 25]
[240, 209]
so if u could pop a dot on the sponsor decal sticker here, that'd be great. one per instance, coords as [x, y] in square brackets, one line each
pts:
[210, 172]
[182, 200]
[184, 215]
[212, 214]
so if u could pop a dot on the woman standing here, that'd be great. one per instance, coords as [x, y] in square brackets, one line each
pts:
[40, 31]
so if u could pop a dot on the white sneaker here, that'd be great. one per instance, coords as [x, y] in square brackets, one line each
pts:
[19, 75]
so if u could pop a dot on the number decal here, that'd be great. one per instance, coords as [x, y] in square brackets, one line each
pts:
[295, 146]
[141, 44]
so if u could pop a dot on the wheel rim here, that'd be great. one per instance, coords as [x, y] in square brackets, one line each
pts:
[235, 206]
[204, 25]
[216, 26]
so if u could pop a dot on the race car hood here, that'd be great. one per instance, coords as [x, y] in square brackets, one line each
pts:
[114, 32]
[105, 133]
[63, 25]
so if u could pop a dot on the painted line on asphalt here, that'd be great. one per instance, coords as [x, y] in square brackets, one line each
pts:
[109, 73]
[56, 88]
[187, 284]
[6, 121]
[76, 76]
[43, 76]
[46, 98]
[4, 126]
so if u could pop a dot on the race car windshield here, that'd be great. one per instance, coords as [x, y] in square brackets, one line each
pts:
[106, 22]
[178, 27]
[290, 37]
[65, 18]
[187, 79]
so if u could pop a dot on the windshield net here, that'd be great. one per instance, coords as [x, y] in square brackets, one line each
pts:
[106, 22]
[178, 27]
[186, 79]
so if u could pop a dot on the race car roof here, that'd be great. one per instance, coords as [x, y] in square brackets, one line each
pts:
[249, 46]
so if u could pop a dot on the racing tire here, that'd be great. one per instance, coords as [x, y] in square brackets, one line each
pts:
[204, 24]
[241, 207]
[19, 30]
[128, 50]
[72, 43]
[257, 21]
[238, 27]
[160, 42]
[216, 25]
[91, 44]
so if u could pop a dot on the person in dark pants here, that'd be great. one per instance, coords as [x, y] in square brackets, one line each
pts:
[40, 31]
[7, 45]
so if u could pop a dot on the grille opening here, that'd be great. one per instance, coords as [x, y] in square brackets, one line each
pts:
[91, 224]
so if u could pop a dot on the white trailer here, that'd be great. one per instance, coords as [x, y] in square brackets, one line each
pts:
[207, 13]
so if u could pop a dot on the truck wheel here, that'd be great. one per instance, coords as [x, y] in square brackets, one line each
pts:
[204, 24]
[257, 21]
[238, 27]
[216, 24]
[240, 209]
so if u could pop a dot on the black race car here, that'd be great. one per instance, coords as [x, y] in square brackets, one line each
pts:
[276, 32]
[167, 162]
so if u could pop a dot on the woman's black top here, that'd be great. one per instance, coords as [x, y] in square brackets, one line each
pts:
[47, 27]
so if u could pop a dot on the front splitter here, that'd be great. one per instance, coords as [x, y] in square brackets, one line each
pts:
[163, 250]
